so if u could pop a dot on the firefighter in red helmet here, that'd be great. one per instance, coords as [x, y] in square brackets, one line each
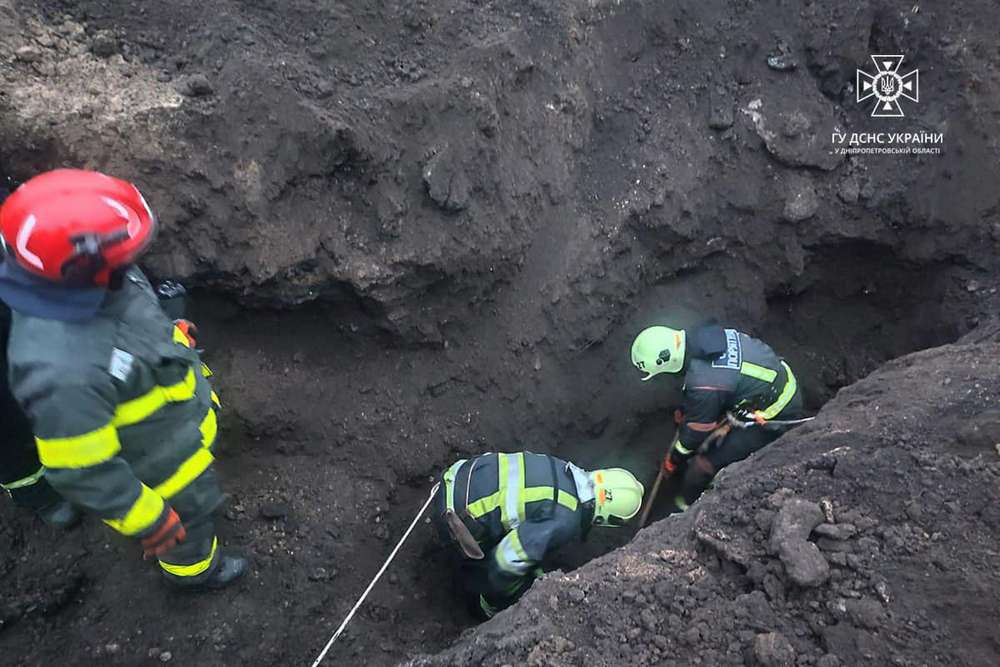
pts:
[122, 413]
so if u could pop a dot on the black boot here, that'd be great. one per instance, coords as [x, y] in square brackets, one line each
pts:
[229, 569]
[61, 515]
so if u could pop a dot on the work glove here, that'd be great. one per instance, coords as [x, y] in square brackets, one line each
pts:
[168, 535]
[669, 466]
[188, 330]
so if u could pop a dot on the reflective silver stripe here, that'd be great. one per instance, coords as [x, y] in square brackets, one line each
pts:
[681, 503]
[511, 556]
[449, 485]
[584, 485]
[681, 449]
[513, 506]
[25, 481]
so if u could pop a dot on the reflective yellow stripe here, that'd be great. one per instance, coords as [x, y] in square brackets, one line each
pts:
[179, 337]
[537, 493]
[759, 372]
[209, 428]
[206, 371]
[194, 569]
[485, 505]
[449, 484]
[143, 514]
[196, 464]
[139, 409]
[81, 451]
[772, 410]
[502, 465]
[187, 473]
[681, 449]
[681, 503]
[25, 481]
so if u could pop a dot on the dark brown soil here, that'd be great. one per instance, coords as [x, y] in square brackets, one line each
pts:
[423, 230]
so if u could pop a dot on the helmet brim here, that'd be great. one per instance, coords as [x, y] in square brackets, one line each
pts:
[31, 295]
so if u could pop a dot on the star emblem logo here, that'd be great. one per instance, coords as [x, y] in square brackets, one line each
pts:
[887, 86]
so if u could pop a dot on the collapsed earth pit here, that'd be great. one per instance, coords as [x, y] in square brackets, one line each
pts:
[418, 233]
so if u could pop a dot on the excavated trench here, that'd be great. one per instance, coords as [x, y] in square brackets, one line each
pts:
[857, 306]
[415, 232]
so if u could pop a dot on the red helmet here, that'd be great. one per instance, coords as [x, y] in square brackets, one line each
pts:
[75, 227]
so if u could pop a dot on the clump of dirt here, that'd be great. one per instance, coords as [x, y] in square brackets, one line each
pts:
[866, 536]
[418, 231]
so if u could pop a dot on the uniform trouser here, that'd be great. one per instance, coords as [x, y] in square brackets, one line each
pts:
[22, 476]
[482, 599]
[739, 444]
[195, 559]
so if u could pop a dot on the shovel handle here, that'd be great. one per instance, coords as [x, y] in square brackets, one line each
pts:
[652, 497]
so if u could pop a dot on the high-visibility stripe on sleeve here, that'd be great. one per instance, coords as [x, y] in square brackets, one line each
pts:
[771, 411]
[681, 504]
[194, 569]
[196, 464]
[511, 556]
[758, 372]
[81, 451]
[143, 513]
[139, 409]
[209, 429]
[186, 473]
[25, 481]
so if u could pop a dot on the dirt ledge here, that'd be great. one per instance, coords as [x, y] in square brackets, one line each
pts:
[897, 458]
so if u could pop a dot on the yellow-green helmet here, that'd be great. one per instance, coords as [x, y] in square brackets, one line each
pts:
[658, 350]
[617, 496]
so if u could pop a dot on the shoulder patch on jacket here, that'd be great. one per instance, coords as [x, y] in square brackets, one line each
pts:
[732, 358]
[121, 364]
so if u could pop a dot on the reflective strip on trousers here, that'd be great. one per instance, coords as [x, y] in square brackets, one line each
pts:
[511, 556]
[194, 569]
[141, 408]
[145, 511]
[25, 481]
[784, 398]
[81, 451]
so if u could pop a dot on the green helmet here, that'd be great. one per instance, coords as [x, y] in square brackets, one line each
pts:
[658, 350]
[617, 496]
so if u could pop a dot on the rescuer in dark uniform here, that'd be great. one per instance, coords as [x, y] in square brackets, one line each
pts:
[725, 371]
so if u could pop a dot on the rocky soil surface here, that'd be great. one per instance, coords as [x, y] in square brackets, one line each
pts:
[418, 230]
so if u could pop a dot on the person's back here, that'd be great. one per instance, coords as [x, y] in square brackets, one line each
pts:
[505, 513]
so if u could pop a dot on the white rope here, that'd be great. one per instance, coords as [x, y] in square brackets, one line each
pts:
[739, 423]
[377, 577]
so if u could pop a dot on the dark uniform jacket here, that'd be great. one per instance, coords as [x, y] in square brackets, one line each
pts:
[519, 507]
[119, 404]
[728, 370]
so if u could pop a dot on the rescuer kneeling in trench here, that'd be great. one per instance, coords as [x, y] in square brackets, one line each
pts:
[729, 378]
[119, 401]
[506, 512]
